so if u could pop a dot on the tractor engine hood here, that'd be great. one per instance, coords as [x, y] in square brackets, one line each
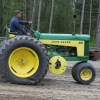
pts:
[56, 36]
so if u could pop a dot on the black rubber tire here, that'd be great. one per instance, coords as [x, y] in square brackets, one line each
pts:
[23, 41]
[4, 41]
[81, 67]
[73, 71]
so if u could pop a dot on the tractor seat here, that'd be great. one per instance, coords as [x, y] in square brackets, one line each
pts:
[10, 34]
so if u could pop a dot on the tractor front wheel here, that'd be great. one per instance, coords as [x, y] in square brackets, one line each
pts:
[73, 71]
[85, 73]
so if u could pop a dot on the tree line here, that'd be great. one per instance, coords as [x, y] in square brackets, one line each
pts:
[54, 16]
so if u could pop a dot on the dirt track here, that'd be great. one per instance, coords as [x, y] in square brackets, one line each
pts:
[53, 87]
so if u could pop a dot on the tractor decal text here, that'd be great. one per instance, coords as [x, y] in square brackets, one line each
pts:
[60, 41]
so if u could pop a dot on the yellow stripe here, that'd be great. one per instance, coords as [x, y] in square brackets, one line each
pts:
[78, 44]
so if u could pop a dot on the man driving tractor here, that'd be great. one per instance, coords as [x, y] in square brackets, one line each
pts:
[15, 24]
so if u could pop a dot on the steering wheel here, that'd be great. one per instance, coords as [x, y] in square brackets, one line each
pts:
[28, 26]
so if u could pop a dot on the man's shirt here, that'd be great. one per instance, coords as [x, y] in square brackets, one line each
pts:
[15, 25]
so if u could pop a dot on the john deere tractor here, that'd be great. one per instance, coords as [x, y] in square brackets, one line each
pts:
[26, 60]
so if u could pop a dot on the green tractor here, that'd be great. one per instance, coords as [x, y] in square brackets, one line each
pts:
[26, 60]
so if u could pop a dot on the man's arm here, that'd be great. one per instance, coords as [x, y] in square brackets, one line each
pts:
[17, 24]
[23, 22]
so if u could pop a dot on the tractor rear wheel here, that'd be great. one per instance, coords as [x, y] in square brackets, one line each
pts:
[85, 73]
[3, 42]
[23, 60]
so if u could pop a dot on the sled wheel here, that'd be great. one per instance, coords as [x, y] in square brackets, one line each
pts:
[24, 60]
[73, 72]
[85, 73]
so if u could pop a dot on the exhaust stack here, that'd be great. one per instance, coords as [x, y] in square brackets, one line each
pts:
[74, 24]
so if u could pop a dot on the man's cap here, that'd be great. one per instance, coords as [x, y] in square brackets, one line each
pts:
[17, 11]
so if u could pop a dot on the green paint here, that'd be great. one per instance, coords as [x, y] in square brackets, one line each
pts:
[64, 37]
[55, 36]
[86, 48]
[69, 58]
[0, 45]
[36, 34]
[83, 58]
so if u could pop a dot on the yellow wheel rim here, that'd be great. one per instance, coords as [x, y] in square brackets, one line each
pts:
[23, 62]
[86, 74]
[61, 67]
